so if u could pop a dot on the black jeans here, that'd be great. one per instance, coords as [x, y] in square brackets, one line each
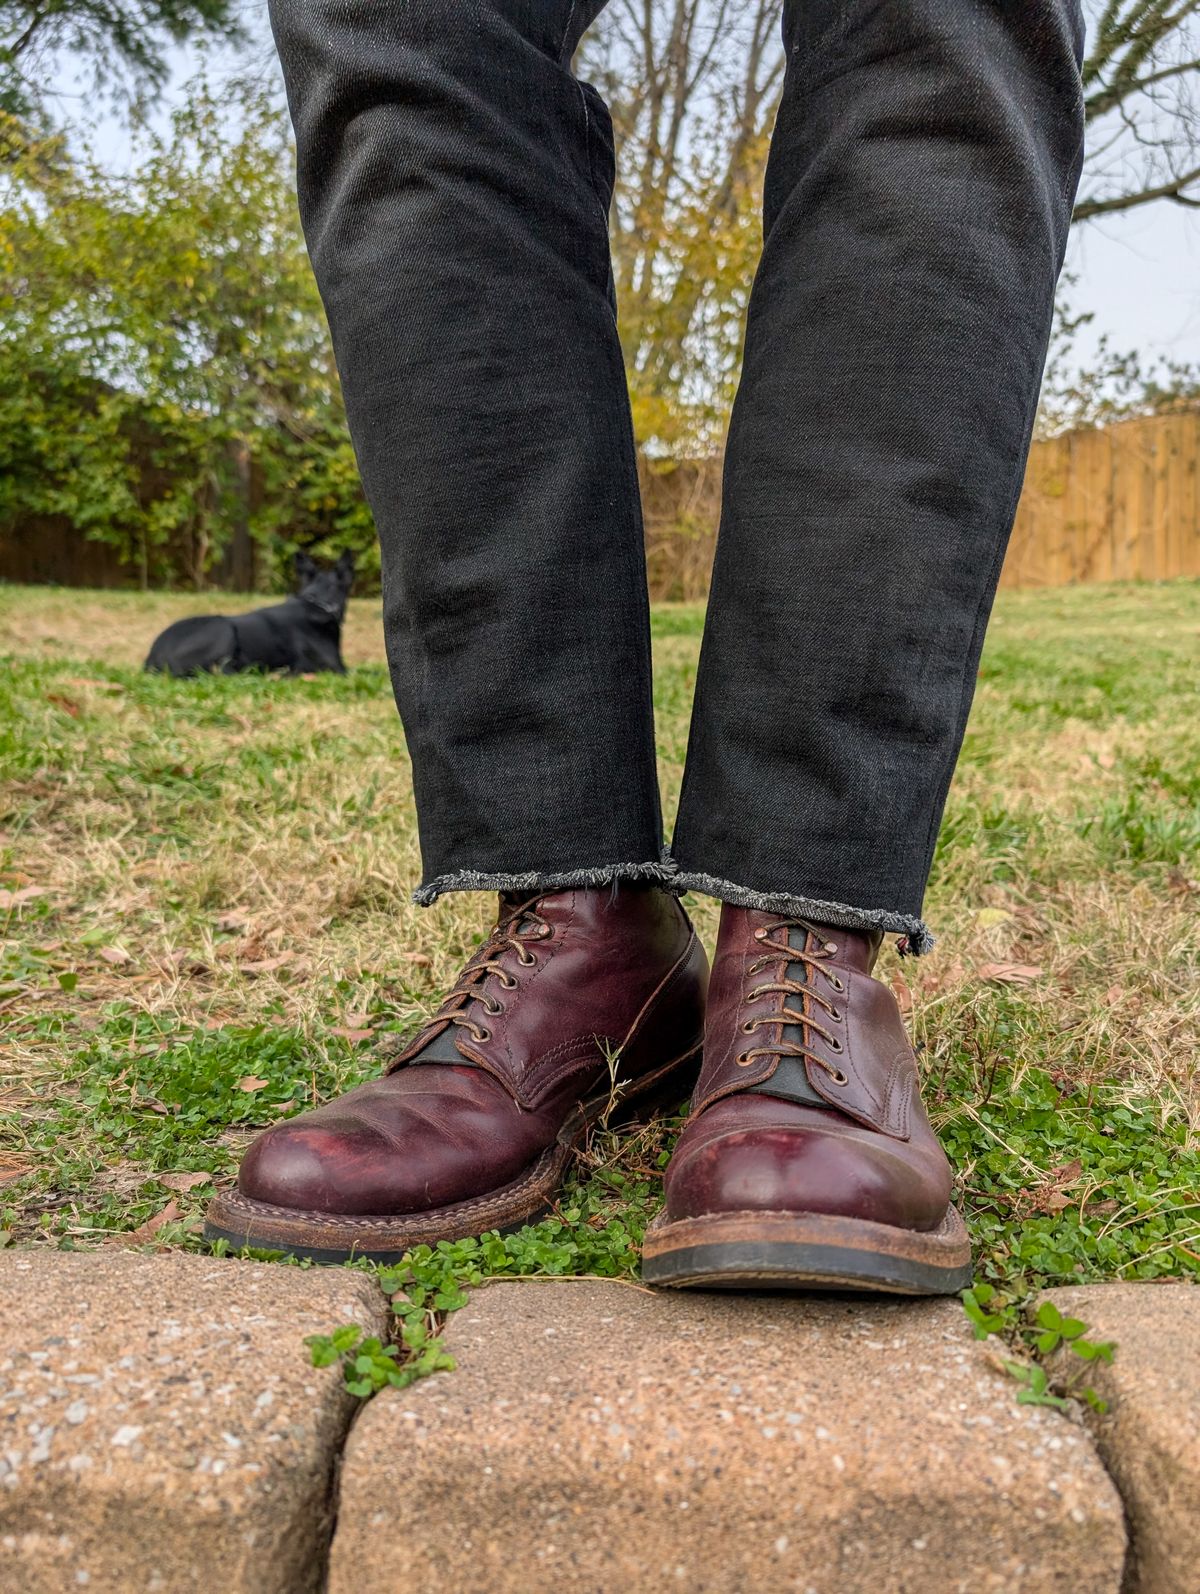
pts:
[455, 180]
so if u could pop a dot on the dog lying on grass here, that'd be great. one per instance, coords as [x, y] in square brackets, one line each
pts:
[301, 635]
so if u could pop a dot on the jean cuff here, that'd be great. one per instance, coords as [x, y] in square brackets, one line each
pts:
[916, 932]
[662, 872]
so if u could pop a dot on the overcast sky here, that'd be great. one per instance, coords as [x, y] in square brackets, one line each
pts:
[1139, 272]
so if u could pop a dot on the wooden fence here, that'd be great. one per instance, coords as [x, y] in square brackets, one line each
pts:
[1118, 504]
[1121, 503]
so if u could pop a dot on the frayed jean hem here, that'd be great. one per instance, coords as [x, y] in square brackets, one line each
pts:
[915, 931]
[660, 873]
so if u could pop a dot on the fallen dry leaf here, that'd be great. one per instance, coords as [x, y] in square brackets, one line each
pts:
[1066, 1173]
[67, 704]
[250, 1082]
[902, 993]
[101, 686]
[115, 955]
[14, 899]
[1010, 973]
[183, 1182]
[147, 1230]
[10, 1174]
[419, 958]
[988, 918]
[267, 965]
[235, 919]
[352, 1034]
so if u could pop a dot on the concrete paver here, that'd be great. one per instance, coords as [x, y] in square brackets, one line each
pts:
[161, 1425]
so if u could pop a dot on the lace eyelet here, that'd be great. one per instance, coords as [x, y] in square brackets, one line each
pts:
[837, 1047]
[839, 1078]
[749, 1027]
[494, 1008]
[835, 1013]
[838, 985]
[526, 959]
[830, 947]
[760, 935]
[481, 1036]
[743, 1060]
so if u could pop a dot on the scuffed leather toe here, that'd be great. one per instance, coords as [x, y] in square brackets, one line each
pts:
[416, 1140]
[761, 1155]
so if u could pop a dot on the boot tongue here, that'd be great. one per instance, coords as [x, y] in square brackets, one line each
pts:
[790, 1079]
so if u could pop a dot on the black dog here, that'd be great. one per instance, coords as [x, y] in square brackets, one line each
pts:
[301, 635]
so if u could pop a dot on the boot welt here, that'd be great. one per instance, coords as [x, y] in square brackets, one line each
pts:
[334, 1238]
[806, 1251]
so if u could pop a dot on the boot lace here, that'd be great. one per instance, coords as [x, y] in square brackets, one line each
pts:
[813, 959]
[518, 924]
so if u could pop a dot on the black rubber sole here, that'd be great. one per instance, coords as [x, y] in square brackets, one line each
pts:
[806, 1251]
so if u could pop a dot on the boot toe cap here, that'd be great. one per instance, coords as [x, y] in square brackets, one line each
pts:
[321, 1168]
[805, 1167]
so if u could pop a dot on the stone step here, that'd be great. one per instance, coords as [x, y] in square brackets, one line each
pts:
[161, 1426]
[596, 1437]
[1150, 1436]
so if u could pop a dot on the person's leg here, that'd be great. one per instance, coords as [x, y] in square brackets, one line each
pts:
[454, 185]
[454, 181]
[917, 201]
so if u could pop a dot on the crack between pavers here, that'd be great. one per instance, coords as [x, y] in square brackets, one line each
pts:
[333, 1485]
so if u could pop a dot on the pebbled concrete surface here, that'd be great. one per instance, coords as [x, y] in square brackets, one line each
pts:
[161, 1426]
[599, 1437]
[1150, 1437]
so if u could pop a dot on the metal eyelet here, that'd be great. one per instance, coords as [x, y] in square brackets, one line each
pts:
[835, 1013]
[838, 985]
[526, 958]
[836, 1046]
[830, 947]
[508, 982]
[482, 1035]
[839, 1078]
[742, 1060]
[491, 1007]
[749, 1027]
[544, 933]
[760, 935]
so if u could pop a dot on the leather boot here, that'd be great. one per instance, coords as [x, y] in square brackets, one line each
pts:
[808, 1160]
[579, 1005]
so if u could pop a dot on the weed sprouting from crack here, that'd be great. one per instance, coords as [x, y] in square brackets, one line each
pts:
[1036, 1333]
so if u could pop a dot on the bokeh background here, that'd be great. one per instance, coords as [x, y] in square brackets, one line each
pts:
[169, 408]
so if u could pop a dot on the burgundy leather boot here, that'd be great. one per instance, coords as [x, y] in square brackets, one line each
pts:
[580, 1004]
[808, 1160]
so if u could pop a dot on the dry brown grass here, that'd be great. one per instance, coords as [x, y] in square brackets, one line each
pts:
[221, 854]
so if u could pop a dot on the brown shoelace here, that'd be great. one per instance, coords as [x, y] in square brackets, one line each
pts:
[505, 937]
[813, 960]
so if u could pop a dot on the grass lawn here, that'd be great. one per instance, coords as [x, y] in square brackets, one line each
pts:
[205, 923]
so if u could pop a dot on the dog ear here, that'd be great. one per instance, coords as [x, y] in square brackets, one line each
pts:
[305, 567]
[345, 567]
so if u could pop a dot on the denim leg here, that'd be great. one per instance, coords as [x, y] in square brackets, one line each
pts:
[918, 195]
[454, 183]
